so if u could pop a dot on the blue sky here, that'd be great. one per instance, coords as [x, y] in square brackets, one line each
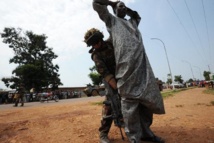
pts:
[185, 27]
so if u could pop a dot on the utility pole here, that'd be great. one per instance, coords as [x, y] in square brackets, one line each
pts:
[190, 68]
[199, 71]
[166, 56]
[209, 68]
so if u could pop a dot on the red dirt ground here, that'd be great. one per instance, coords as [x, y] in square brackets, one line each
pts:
[189, 118]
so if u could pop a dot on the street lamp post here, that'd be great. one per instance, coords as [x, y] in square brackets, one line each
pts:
[190, 68]
[166, 56]
[199, 71]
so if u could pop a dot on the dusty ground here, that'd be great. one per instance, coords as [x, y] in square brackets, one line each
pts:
[189, 118]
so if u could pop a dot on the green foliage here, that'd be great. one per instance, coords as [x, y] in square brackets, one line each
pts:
[206, 75]
[169, 80]
[178, 78]
[34, 59]
[171, 92]
[209, 91]
[95, 76]
[190, 80]
[97, 103]
[93, 69]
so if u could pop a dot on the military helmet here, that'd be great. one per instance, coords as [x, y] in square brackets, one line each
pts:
[93, 36]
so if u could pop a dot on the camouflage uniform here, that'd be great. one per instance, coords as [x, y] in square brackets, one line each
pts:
[20, 96]
[105, 64]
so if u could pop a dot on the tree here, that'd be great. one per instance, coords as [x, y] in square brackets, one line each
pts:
[206, 75]
[95, 76]
[169, 80]
[178, 78]
[34, 59]
[190, 80]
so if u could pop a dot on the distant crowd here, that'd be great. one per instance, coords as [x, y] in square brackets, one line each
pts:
[8, 97]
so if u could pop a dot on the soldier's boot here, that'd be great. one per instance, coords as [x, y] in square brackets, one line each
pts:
[104, 138]
[16, 103]
[22, 102]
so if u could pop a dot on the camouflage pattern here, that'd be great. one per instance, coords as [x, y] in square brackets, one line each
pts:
[105, 122]
[104, 59]
[19, 97]
[105, 65]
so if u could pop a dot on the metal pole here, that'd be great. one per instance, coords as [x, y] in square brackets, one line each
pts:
[199, 71]
[190, 68]
[209, 68]
[166, 56]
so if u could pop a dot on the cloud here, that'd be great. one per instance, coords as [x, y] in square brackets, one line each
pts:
[63, 22]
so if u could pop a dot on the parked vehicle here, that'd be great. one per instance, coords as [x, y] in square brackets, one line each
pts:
[65, 95]
[176, 85]
[70, 94]
[94, 90]
[48, 96]
[76, 94]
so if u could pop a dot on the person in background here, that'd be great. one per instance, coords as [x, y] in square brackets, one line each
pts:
[1, 98]
[211, 82]
[19, 96]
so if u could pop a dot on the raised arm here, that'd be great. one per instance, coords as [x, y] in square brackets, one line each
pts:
[134, 15]
[100, 6]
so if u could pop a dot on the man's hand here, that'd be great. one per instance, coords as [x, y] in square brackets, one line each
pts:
[113, 4]
[102, 2]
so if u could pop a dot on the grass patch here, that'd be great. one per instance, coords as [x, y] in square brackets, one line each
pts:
[97, 103]
[172, 92]
[164, 95]
[209, 91]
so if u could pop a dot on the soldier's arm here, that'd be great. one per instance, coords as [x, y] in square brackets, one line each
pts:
[104, 72]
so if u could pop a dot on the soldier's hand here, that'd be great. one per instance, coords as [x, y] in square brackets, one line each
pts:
[112, 82]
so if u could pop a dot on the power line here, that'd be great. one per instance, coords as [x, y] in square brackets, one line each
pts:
[194, 25]
[206, 28]
[184, 28]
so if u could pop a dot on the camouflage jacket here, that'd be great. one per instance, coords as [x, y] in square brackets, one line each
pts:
[21, 91]
[104, 60]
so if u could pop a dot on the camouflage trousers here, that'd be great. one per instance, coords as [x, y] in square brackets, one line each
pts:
[19, 98]
[105, 121]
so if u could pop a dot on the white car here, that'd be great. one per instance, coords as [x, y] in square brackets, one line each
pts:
[176, 85]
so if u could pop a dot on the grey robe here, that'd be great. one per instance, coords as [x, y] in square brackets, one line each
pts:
[136, 80]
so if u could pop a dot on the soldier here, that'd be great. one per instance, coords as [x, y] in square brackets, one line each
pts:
[19, 96]
[102, 53]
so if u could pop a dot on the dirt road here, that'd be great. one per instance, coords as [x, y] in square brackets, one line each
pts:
[189, 118]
